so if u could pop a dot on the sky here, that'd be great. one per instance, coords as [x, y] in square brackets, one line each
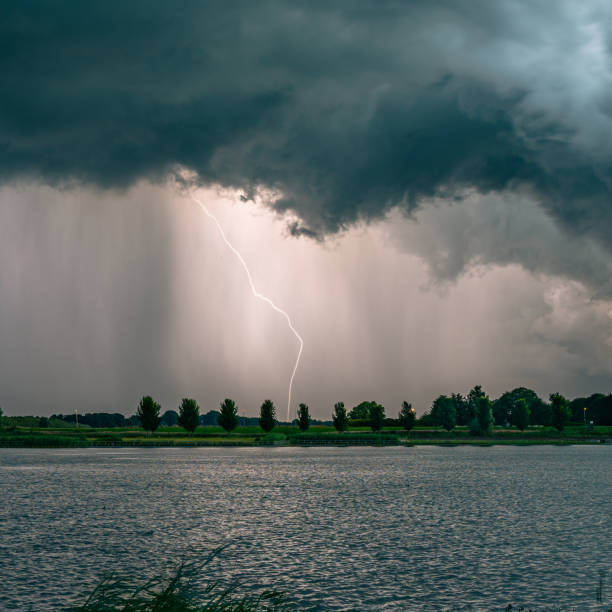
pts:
[425, 189]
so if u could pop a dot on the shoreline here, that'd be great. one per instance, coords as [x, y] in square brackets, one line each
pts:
[41, 442]
[289, 435]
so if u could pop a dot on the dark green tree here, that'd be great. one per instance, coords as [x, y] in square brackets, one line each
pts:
[502, 407]
[484, 415]
[361, 411]
[541, 413]
[600, 411]
[189, 414]
[502, 410]
[475, 427]
[407, 416]
[148, 413]
[339, 417]
[462, 409]
[520, 414]
[560, 411]
[377, 416]
[267, 416]
[472, 399]
[303, 417]
[444, 413]
[596, 408]
[426, 420]
[170, 418]
[43, 422]
[228, 415]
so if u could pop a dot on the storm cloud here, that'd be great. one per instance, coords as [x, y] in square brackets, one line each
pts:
[446, 166]
[342, 111]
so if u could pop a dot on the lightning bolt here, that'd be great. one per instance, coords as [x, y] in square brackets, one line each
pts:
[258, 295]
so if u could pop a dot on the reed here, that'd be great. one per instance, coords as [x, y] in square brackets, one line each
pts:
[179, 591]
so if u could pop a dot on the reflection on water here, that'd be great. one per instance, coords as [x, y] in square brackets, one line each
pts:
[422, 528]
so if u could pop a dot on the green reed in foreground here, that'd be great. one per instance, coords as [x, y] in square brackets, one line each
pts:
[176, 593]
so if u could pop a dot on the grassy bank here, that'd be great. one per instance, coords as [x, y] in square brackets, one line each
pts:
[320, 435]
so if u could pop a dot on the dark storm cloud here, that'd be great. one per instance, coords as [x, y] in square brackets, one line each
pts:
[344, 109]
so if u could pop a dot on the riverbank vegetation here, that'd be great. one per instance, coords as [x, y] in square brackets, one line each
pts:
[180, 591]
[283, 435]
[517, 417]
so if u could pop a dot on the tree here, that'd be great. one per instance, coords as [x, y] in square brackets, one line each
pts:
[475, 428]
[339, 417]
[520, 414]
[596, 408]
[560, 411]
[600, 411]
[426, 420]
[148, 413]
[503, 406]
[462, 409]
[170, 418]
[361, 411]
[377, 416]
[43, 422]
[303, 417]
[1, 416]
[444, 413]
[407, 416]
[484, 414]
[502, 410]
[472, 399]
[267, 414]
[189, 414]
[228, 415]
[541, 413]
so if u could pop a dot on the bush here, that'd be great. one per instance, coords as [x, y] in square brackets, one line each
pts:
[475, 428]
[42, 441]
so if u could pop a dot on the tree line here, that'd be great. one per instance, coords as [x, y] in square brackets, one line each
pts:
[520, 408]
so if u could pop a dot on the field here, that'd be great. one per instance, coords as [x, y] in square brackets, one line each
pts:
[318, 435]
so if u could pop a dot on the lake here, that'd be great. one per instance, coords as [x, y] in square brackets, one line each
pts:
[420, 528]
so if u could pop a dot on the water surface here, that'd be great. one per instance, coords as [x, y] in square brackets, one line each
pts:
[423, 528]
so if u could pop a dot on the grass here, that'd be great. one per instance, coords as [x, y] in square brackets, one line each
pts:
[36, 440]
[52, 437]
[179, 592]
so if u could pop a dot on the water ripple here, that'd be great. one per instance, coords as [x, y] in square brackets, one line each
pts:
[422, 528]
